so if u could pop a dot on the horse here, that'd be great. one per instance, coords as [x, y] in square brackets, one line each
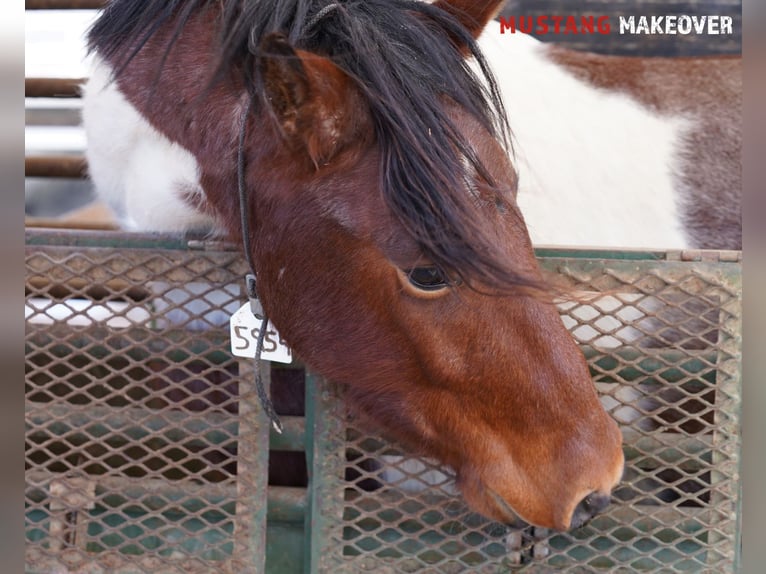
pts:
[676, 121]
[652, 146]
[384, 224]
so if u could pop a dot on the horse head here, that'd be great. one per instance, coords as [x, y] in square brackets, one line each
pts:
[389, 249]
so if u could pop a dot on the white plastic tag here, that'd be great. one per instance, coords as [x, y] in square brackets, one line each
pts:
[244, 327]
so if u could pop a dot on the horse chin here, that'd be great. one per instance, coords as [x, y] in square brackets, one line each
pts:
[510, 517]
[490, 504]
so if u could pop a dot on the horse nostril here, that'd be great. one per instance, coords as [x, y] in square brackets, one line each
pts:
[589, 507]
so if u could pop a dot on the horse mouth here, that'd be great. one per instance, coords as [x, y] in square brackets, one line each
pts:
[588, 508]
[510, 517]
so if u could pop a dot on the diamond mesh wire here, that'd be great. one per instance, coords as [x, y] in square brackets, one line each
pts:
[145, 448]
[662, 339]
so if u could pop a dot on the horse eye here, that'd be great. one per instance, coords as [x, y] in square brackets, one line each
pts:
[427, 278]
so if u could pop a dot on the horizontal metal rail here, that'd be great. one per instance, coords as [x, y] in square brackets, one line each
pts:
[53, 87]
[285, 503]
[63, 166]
[64, 4]
[135, 423]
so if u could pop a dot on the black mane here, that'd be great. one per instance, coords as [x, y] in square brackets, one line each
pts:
[400, 55]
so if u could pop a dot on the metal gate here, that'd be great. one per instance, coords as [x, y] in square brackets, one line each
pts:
[147, 450]
[663, 348]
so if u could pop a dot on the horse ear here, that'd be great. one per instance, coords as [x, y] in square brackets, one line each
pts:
[472, 14]
[311, 98]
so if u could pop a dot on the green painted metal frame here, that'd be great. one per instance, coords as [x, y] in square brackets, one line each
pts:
[306, 519]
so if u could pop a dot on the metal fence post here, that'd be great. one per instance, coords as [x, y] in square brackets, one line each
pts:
[326, 457]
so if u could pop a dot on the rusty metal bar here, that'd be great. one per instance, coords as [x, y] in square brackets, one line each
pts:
[252, 472]
[70, 167]
[325, 455]
[123, 240]
[726, 434]
[117, 563]
[78, 287]
[64, 4]
[52, 87]
[285, 503]
[64, 223]
[136, 423]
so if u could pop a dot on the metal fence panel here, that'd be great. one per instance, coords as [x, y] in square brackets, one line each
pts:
[148, 452]
[146, 448]
[662, 339]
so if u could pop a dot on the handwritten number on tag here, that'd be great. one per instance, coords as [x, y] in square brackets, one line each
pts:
[245, 328]
[271, 340]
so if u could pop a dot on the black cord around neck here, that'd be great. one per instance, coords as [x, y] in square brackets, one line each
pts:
[250, 279]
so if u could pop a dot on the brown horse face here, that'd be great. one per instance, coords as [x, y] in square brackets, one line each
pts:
[506, 399]
[504, 395]
[491, 384]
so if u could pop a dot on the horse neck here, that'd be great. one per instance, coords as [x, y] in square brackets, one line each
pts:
[169, 91]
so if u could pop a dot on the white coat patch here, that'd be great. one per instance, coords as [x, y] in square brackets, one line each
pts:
[595, 167]
[138, 172]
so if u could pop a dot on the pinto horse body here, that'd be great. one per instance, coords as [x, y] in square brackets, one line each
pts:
[388, 243]
[622, 151]
[666, 134]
